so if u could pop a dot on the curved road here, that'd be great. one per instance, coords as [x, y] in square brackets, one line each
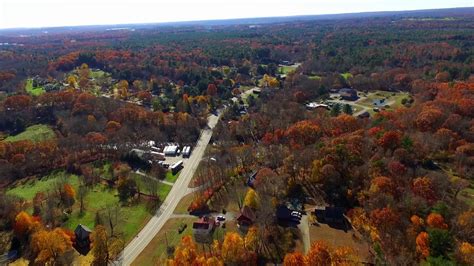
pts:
[178, 191]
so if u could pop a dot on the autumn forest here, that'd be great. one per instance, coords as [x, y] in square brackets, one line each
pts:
[312, 141]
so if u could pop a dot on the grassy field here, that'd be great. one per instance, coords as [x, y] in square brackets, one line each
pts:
[467, 195]
[170, 177]
[184, 203]
[346, 75]
[337, 238]
[163, 189]
[286, 69]
[314, 77]
[95, 74]
[395, 97]
[35, 91]
[133, 217]
[34, 133]
[28, 189]
[155, 252]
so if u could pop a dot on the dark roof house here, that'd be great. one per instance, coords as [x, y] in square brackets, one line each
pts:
[247, 216]
[285, 216]
[332, 216]
[82, 243]
[348, 94]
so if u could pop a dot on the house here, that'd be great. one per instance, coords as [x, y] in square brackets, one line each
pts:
[246, 217]
[348, 94]
[82, 243]
[287, 217]
[203, 229]
[333, 215]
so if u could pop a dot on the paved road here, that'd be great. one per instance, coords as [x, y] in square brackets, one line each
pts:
[304, 229]
[179, 190]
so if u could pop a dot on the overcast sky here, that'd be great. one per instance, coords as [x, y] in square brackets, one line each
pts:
[41, 13]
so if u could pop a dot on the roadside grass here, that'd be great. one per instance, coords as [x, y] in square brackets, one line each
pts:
[28, 189]
[34, 91]
[170, 177]
[143, 181]
[155, 252]
[183, 204]
[35, 133]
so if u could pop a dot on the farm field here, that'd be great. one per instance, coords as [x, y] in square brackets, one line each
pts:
[35, 133]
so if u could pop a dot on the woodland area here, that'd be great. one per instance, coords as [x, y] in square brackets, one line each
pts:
[73, 103]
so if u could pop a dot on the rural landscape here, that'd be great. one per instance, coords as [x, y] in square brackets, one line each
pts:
[297, 141]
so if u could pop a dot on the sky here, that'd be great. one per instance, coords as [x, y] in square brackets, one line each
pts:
[47, 13]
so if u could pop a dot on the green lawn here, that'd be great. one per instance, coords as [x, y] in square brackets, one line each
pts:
[395, 97]
[467, 195]
[35, 91]
[133, 217]
[34, 133]
[142, 182]
[29, 189]
[346, 75]
[286, 69]
[95, 74]
[170, 177]
[155, 252]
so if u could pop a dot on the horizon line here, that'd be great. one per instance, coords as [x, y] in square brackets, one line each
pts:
[197, 21]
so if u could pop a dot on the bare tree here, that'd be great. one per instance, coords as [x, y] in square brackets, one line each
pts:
[111, 214]
[82, 194]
